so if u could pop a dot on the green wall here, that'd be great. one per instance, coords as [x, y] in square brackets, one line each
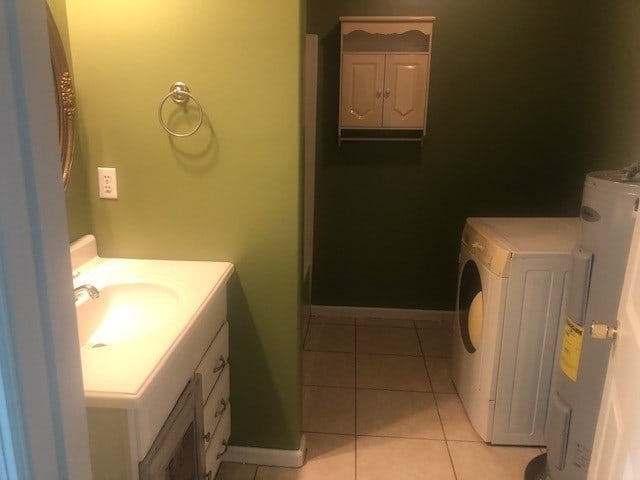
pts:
[516, 118]
[230, 192]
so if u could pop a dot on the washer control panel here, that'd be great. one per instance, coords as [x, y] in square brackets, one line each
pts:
[493, 256]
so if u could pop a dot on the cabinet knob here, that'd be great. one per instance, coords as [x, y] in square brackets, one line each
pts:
[225, 443]
[387, 92]
[207, 437]
[378, 93]
[207, 475]
[356, 114]
[220, 365]
[221, 408]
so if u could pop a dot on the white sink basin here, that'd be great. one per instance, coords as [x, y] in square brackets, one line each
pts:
[123, 312]
[152, 322]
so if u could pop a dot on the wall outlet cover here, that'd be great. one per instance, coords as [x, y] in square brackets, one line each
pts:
[107, 182]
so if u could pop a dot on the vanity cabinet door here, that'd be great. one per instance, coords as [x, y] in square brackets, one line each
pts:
[177, 452]
[405, 91]
[362, 86]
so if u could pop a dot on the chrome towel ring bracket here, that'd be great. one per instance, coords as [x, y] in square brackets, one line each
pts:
[179, 93]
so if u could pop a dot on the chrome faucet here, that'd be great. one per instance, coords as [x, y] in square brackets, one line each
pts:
[92, 291]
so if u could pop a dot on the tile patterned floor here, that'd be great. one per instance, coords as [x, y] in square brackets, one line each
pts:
[378, 404]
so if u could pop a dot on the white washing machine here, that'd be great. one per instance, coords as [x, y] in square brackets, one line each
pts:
[511, 290]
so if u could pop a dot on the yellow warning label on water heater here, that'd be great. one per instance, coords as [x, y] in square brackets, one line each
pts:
[571, 348]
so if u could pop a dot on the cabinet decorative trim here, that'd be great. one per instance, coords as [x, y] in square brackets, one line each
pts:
[362, 41]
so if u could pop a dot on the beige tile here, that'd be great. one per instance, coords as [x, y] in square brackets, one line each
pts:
[454, 418]
[391, 372]
[397, 414]
[330, 338]
[236, 471]
[328, 410]
[328, 457]
[387, 340]
[436, 342]
[498, 463]
[440, 374]
[329, 369]
[384, 322]
[332, 320]
[402, 459]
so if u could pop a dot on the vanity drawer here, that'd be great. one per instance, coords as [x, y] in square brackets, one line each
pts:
[216, 405]
[218, 445]
[214, 361]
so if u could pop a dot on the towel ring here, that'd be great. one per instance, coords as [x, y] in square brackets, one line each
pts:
[179, 93]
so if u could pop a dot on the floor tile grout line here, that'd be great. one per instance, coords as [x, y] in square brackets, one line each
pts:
[444, 432]
[328, 351]
[424, 359]
[306, 335]
[355, 404]
[381, 325]
[330, 386]
[394, 390]
[446, 440]
[390, 354]
[400, 437]
[477, 442]
[326, 324]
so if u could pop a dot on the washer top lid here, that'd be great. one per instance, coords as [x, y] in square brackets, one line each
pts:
[617, 180]
[529, 234]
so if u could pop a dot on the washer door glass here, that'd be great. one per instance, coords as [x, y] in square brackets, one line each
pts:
[470, 307]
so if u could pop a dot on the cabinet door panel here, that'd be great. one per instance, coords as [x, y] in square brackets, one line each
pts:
[362, 80]
[405, 91]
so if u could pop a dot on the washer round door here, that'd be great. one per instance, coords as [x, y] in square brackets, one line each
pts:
[470, 307]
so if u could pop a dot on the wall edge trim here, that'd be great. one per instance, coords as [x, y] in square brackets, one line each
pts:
[268, 456]
[385, 313]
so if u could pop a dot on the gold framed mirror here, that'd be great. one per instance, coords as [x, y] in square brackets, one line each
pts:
[65, 97]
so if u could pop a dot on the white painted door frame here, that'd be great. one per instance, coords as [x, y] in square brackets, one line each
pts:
[616, 450]
[43, 432]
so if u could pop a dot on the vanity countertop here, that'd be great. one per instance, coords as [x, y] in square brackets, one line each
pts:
[188, 301]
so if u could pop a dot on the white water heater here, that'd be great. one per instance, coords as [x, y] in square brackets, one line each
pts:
[607, 216]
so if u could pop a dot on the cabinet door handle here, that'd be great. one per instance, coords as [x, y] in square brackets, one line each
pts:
[387, 92]
[226, 447]
[356, 114]
[207, 437]
[221, 364]
[378, 93]
[220, 411]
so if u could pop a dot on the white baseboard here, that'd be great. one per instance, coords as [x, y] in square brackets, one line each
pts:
[268, 456]
[386, 313]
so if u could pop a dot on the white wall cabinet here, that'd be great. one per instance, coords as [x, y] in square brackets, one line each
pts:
[384, 77]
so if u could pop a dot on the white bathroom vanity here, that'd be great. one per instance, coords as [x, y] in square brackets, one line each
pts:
[154, 346]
